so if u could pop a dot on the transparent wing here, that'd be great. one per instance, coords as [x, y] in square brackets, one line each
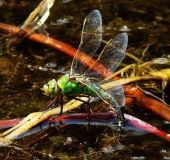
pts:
[117, 91]
[90, 41]
[111, 56]
[114, 96]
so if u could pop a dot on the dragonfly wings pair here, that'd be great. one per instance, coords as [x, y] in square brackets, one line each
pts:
[111, 56]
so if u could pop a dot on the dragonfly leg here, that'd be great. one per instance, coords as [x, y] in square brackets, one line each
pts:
[86, 102]
[61, 111]
[51, 122]
[61, 104]
[55, 102]
[121, 119]
[51, 104]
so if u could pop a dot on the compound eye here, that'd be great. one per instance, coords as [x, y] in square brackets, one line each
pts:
[51, 88]
[46, 86]
[53, 84]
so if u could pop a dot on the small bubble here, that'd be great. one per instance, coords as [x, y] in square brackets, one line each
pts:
[139, 158]
[65, 1]
[69, 140]
[51, 65]
[43, 69]
[108, 149]
[163, 151]
[124, 29]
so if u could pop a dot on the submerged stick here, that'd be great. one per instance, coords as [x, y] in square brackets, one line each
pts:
[35, 118]
[48, 41]
[148, 103]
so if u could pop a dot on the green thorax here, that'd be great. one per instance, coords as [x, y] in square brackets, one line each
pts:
[73, 86]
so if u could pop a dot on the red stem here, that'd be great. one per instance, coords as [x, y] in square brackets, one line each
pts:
[148, 103]
[98, 117]
[40, 38]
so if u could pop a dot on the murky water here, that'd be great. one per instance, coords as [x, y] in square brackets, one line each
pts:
[25, 66]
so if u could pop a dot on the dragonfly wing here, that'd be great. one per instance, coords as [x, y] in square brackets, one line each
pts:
[90, 41]
[114, 96]
[111, 56]
[117, 91]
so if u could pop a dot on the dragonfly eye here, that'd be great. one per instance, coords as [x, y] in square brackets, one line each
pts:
[52, 87]
[46, 86]
[52, 83]
[46, 89]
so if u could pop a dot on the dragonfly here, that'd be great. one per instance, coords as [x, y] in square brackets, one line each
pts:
[83, 80]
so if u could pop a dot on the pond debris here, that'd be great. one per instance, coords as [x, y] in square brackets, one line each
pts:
[43, 69]
[65, 1]
[37, 18]
[60, 21]
[108, 149]
[69, 140]
[50, 65]
[124, 29]
[139, 158]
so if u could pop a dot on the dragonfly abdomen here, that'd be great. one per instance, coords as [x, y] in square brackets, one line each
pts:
[108, 98]
[78, 88]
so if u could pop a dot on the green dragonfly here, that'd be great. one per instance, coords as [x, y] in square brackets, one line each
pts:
[86, 81]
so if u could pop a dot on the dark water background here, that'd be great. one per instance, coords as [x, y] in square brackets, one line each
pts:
[147, 21]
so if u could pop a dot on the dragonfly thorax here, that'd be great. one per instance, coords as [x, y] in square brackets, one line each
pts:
[73, 85]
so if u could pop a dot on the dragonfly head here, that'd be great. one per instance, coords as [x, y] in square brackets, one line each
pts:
[51, 88]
